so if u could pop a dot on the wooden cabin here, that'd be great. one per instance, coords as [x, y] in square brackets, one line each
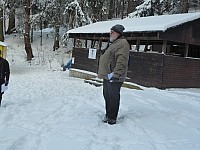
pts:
[164, 50]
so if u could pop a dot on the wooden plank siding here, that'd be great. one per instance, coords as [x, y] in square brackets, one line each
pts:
[181, 72]
[186, 33]
[146, 69]
[81, 60]
[163, 71]
[150, 69]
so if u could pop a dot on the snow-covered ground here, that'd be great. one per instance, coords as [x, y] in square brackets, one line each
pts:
[45, 109]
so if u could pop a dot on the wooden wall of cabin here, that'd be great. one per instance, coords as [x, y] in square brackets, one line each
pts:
[179, 72]
[81, 60]
[146, 69]
[163, 71]
[150, 69]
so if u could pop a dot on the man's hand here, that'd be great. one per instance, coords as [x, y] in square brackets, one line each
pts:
[110, 75]
[111, 78]
[114, 79]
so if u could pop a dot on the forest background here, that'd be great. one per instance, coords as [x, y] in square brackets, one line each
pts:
[22, 17]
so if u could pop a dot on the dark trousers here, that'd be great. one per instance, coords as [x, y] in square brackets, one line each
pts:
[1, 82]
[0, 97]
[111, 93]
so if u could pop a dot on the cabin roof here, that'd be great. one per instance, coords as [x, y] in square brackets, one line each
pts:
[142, 24]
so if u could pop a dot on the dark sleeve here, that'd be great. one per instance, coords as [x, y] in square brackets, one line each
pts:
[7, 70]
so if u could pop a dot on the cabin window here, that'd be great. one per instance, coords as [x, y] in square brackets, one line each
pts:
[194, 51]
[79, 43]
[178, 50]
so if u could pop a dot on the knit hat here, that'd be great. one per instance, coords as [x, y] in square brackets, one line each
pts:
[118, 28]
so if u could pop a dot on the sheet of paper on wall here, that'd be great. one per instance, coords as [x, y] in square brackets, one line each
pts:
[73, 59]
[3, 88]
[92, 53]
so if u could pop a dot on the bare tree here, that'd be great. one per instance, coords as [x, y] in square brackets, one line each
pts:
[27, 41]
[11, 23]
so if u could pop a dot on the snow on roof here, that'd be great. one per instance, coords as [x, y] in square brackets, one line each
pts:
[152, 23]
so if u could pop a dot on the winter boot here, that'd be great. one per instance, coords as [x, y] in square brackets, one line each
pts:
[112, 121]
[105, 119]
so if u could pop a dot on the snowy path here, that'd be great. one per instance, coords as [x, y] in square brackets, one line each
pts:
[47, 110]
[44, 109]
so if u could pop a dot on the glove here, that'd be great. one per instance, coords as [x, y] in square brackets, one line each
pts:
[114, 79]
[110, 75]
[111, 78]
[6, 83]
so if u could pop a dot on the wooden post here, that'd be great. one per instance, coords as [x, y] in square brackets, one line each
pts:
[74, 42]
[93, 43]
[164, 47]
[100, 43]
[86, 43]
[146, 46]
[138, 45]
[186, 50]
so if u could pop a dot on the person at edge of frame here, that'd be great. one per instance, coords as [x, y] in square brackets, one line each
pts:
[4, 74]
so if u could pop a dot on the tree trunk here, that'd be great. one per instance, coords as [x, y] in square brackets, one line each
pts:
[27, 41]
[129, 7]
[57, 26]
[11, 23]
[1, 25]
[122, 15]
[184, 6]
[111, 9]
[56, 38]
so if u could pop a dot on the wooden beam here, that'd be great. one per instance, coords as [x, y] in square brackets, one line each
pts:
[104, 38]
[186, 50]
[93, 43]
[146, 46]
[164, 47]
[138, 45]
[100, 43]
[74, 42]
[86, 43]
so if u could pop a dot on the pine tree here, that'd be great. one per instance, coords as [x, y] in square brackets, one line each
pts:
[75, 15]
[159, 7]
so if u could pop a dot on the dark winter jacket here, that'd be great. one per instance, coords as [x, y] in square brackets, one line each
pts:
[4, 70]
[115, 60]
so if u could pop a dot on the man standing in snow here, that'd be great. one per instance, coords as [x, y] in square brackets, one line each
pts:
[113, 66]
[4, 74]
